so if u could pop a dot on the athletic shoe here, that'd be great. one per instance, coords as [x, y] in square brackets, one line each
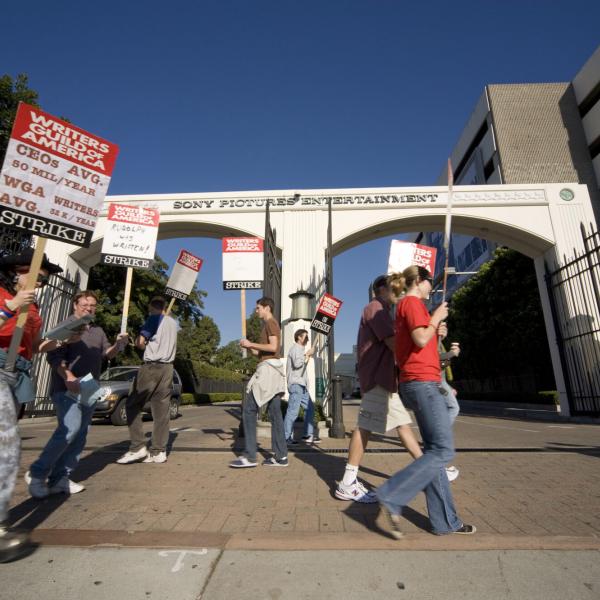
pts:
[311, 439]
[65, 486]
[393, 523]
[355, 491]
[243, 463]
[466, 530]
[38, 488]
[14, 545]
[131, 457]
[291, 442]
[275, 462]
[452, 473]
[159, 457]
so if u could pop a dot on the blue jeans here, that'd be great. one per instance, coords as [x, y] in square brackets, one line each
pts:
[299, 397]
[451, 401]
[428, 472]
[61, 454]
[250, 415]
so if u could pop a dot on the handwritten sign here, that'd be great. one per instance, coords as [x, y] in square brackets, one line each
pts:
[130, 237]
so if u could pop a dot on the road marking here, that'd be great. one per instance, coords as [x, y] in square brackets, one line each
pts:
[561, 426]
[182, 553]
[498, 426]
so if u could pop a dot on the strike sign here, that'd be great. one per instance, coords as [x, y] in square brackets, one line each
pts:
[326, 313]
[405, 254]
[183, 276]
[242, 263]
[54, 177]
[130, 238]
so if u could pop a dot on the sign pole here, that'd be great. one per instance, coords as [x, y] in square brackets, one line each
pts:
[447, 229]
[243, 309]
[126, 299]
[17, 336]
[169, 308]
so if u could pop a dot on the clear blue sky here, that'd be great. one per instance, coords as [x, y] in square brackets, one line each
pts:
[277, 94]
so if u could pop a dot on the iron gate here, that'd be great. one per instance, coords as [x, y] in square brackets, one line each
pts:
[272, 266]
[577, 283]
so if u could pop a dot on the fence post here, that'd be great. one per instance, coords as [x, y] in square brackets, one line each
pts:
[337, 426]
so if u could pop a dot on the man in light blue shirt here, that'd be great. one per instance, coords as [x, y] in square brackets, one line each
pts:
[297, 382]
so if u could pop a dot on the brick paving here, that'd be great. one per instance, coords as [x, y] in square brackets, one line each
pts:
[509, 495]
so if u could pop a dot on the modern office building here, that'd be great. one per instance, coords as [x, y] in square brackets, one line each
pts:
[525, 133]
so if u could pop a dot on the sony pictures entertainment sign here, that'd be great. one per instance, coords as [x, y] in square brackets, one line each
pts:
[242, 263]
[54, 178]
[183, 276]
[130, 237]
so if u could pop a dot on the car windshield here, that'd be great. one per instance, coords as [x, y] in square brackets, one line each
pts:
[118, 374]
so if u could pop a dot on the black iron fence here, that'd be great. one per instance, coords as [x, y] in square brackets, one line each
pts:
[574, 292]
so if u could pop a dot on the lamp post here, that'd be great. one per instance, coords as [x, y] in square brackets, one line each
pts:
[301, 308]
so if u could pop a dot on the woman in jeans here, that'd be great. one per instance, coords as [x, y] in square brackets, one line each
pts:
[418, 361]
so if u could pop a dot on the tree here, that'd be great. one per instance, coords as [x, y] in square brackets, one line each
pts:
[12, 91]
[198, 341]
[497, 317]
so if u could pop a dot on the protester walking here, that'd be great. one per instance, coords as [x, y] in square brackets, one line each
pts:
[381, 408]
[154, 383]
[16, 386]
[266, 386]
[73, 360]
[298, 394]
[418, 360]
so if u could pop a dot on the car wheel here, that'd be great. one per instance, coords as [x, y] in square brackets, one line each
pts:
[119, 415]
[173, 409]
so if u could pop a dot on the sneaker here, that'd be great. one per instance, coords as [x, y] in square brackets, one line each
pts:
[65, 486]
[159, 457]
[311, 439]
[275, 462]
[38, 488]
[131, 457]
[291, 442]
[355, 491]
[466, 530]
[243, 463]
[393, 523]
[452, 473]
[14, 545]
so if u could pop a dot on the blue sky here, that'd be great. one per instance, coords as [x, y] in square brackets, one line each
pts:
[276, 94]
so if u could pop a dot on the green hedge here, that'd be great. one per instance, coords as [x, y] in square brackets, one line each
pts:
[205, 371]
[210, 398]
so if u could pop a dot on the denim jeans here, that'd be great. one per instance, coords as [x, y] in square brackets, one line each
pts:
[428, 472]
[250, 415]
[10, 442]
[451, 401]
[62, 452]
[299, 397]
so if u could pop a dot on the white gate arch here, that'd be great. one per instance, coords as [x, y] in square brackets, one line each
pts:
[541, 221]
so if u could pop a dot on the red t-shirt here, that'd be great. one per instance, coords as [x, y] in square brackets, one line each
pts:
[32, 327]
[415, 364]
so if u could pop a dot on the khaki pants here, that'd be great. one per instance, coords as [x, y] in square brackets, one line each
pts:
[154, 382]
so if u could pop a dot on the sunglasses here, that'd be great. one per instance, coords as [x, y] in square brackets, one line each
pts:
[41, 279]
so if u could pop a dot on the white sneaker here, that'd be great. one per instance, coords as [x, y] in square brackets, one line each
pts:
[131, 457]
[452, 473]
[66, 486]
[355, 491]
[242, 463]
[160, 457]
[38, 488]
[311, 439]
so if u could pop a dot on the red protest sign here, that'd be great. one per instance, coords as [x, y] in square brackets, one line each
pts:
[326, 313]
[54, 178]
